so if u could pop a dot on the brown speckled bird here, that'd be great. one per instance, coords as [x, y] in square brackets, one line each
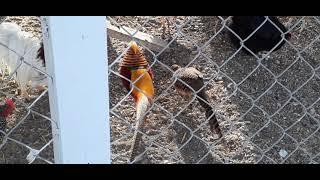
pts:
[194, 79]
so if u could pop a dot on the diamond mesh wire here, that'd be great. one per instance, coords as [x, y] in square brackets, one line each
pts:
[267, 103]
[26, 136]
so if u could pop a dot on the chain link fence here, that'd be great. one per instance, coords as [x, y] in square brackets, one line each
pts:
[26, 135]
[267, 104]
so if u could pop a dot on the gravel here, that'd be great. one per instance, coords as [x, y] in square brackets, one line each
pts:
[261, 106]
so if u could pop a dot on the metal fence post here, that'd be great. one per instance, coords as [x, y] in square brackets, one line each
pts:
[75, 52]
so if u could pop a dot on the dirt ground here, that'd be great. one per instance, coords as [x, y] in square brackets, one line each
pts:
[268, 110]
[261, 105]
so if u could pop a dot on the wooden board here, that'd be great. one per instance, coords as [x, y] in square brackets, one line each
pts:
[151, 42]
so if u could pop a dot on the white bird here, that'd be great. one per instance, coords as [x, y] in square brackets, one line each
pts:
[18, 46]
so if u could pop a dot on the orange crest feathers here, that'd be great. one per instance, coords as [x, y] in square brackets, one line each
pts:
[134, 46]
[134, 57]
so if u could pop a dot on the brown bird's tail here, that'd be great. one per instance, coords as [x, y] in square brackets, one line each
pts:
[213, 122]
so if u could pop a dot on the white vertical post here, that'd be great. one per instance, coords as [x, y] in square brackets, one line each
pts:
[75, 52]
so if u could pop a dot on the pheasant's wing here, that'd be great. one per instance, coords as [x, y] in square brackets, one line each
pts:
[190, 76]
[124, 71]
[198, 73]
[150, 72]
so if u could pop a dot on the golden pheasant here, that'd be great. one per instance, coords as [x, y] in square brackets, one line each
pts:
[194, 79]
[135, 67]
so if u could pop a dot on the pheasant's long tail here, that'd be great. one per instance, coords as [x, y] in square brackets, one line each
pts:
[142, 107]
[213, 122]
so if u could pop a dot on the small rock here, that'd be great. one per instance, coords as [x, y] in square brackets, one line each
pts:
[194, 52]
[283, 153]
[312, 111]
[32, 155]
[295, 104]
[166, 162]
[152, 21]
[296, 114]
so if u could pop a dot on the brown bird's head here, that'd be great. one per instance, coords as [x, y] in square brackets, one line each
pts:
[175, 67]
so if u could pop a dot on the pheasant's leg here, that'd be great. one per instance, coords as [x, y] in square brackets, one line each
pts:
[3, 123]
[163, 26]
[264, 54]
[174, 18]
[217, 130]
[25, 94]
[40, 88]
[168, 25]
